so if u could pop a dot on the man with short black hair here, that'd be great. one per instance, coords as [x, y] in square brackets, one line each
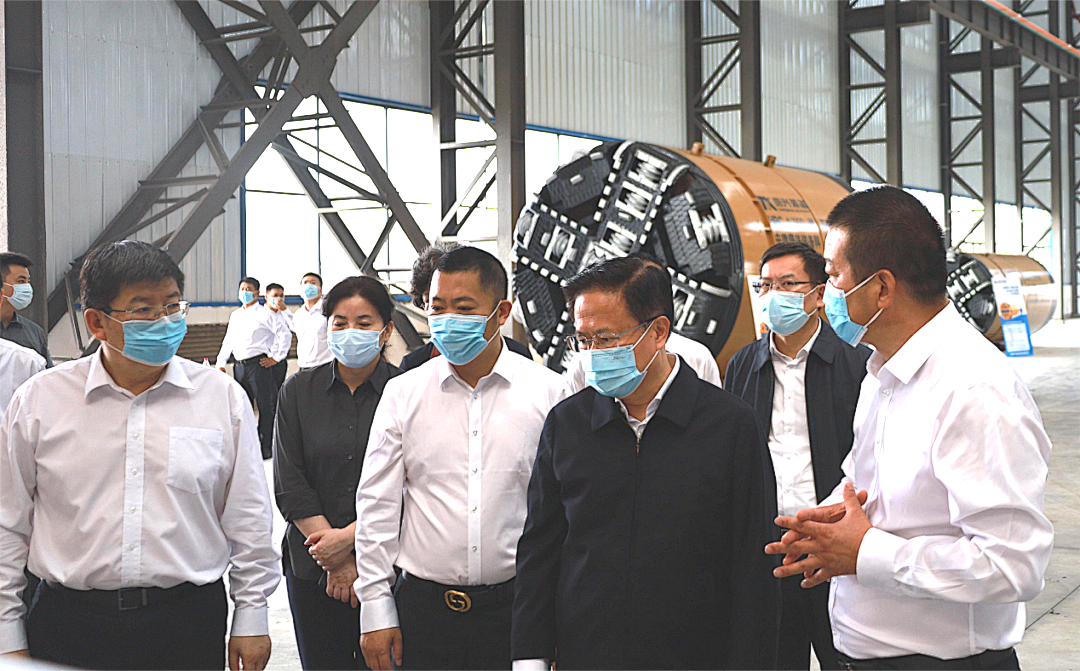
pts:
[933, 570]
[283, 323]
[442, 488]
[422, 270]
[254, 339]
[16, 294]
[647, 503]
[803, 384]
[309, 324]
[131, 482]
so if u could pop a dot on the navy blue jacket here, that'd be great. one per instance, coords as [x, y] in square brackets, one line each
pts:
[834, 374]
[648, 555]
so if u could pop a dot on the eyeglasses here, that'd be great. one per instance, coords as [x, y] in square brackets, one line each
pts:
[767, 286]
[151, 312]
[601, 340]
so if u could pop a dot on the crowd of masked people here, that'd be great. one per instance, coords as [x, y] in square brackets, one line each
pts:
[868, 486]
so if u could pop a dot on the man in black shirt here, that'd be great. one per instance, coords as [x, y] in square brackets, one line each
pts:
[16, 295]
[647, 503]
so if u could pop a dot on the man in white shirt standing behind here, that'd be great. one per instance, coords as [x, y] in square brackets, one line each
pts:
[310, 325]
[283, 323]
[255, 341]
[131, 482]
[459, 433]
[17, 365]
[934, 570]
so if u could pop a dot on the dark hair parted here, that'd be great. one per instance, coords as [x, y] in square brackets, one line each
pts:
[274, 285]
[8, 259]
[368, 288]
[109, 268]
[889, 229]
[475, 260]
[424, 267]
[645, 288]
[813, 263]
[315, 275]
[252, 281]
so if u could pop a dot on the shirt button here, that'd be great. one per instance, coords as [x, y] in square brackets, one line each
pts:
[135, 436]
[788, 457]
[474, 509]
[884, 392]
[134, 471]
[474, 548]
[475, 432]
[474, 470]
[350, 427]
[132, 508]
[131, 547]
[350, 457]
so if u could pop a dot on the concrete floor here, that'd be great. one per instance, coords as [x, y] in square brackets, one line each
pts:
[1052, 640]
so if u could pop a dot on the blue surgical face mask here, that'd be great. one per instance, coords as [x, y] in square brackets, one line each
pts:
[354, 348]
[152, 342]
[246, 296]
[24, 293]
[272, 301]
[783, 311]
[613, 371]
[460, 338]
[309, 291]
[836, 309]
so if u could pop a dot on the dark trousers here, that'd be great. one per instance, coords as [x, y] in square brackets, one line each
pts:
[187, 632]
[281, 369]
[261, 386]
[804, 621]
[436, 637]
[327, 630]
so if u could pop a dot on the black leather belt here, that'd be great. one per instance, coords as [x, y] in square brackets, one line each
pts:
[463, 598]
[987, 659]
[255, 359]
[130, 598]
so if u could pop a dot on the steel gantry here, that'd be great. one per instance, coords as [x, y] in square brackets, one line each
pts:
[281, 42]
[725, 37]
[1070, 252]
[466, 38]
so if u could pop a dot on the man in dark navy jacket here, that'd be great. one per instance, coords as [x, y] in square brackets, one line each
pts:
[647, 504]
[803, 383]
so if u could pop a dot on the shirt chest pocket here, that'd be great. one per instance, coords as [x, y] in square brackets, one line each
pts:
[194, 458]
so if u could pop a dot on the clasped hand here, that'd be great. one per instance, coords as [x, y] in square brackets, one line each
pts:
[332, 551]
[822, 542]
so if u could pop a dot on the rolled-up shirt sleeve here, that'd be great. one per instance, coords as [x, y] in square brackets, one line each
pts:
[247, 521]
[992, 458]
[18, 484]
[378, 516]
[296, 498]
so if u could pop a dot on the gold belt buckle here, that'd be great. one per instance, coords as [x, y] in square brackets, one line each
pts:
[457, 601]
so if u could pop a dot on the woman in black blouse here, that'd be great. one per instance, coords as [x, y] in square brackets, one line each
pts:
[323, 418]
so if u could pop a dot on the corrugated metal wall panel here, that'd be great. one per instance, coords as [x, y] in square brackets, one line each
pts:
[920, 119]
[123, 82]
[799, 83]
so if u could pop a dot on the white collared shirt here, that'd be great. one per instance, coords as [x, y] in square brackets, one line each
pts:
[639, 425]
[696, 355]
[17, 365]
[464, 457]
[789, 432]
[252, 331]
[951, 449]
[104, 490]
[310, 327]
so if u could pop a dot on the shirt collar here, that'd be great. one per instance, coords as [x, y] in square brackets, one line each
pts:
[377, 379]
[913, 354]
[650, 410]
[803, 352]
[315, 309]
[503, 368]
[99, 377]
[681, 395]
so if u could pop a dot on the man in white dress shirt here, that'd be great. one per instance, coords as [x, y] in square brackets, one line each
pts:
[131, 482]
[254, 339]
[934, 570]
[309, 323]
[17, 365]
[283, 323]
[459, 434]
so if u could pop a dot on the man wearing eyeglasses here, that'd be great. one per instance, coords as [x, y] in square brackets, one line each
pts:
[803, 384]
[647, 503]
[131, 482]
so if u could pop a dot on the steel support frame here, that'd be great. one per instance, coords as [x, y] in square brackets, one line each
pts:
[459, 36]
[1038, 133]
[959, 132]
[888, 19]
[25, 141]
[742, 37]
[1070, 253]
